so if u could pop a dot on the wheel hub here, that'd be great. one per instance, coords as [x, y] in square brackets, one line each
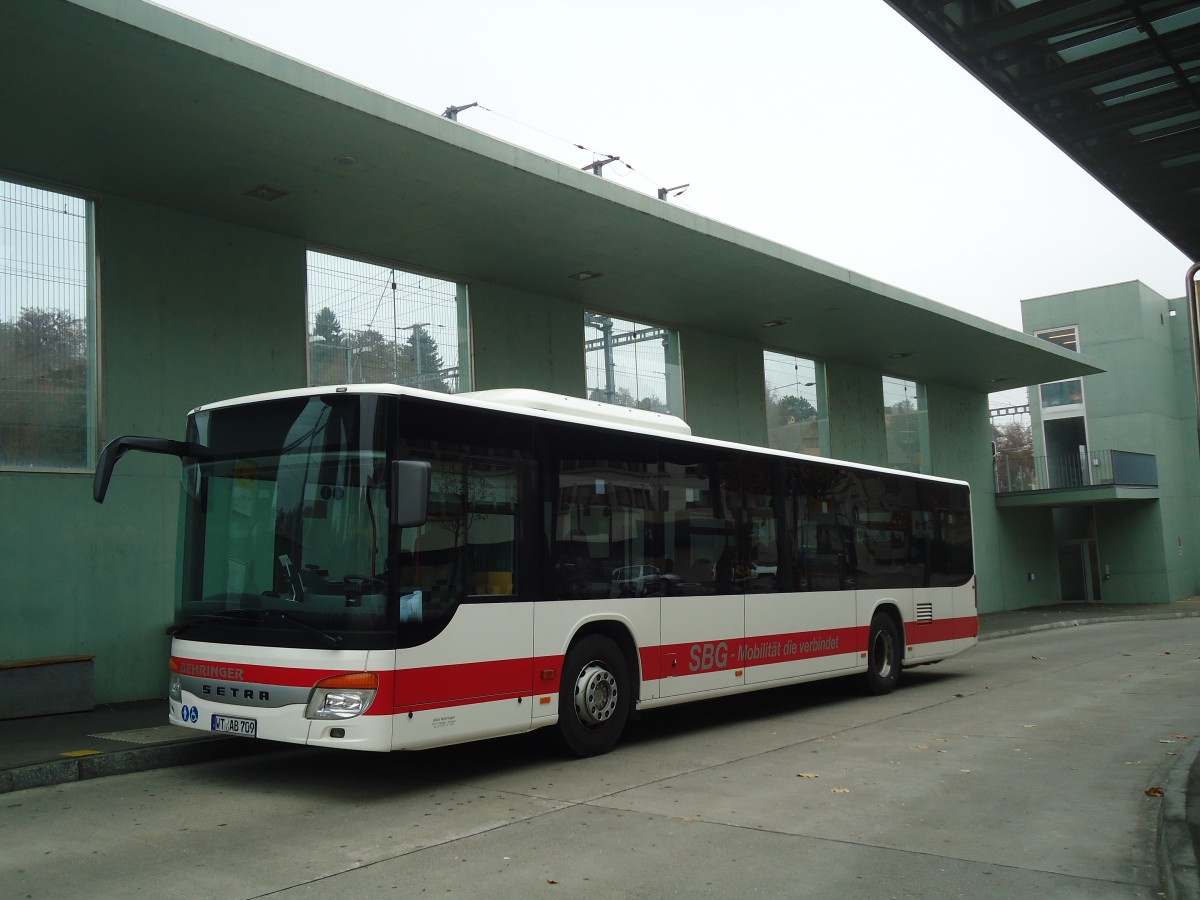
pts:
[885, 654]
[595, 695]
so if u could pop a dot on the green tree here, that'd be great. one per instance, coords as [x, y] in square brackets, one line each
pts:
[331, 360]
[420, 362]
[43, 363]
[375, 357]
[654, 403]
[1015, 467]
[790, 409]
[50, 344]
[327, 326]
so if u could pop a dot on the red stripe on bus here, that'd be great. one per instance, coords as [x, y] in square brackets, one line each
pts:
[695, 657]
[431, 687]
[941, 630]
[284, 676]
[463, 684]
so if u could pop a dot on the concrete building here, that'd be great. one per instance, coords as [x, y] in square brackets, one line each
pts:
[1109, 499]
[178, 198]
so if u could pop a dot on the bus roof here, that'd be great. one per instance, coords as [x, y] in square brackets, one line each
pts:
[557, 407]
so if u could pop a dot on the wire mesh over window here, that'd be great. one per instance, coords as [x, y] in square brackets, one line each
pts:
[370, 323]
[906, 424]
[46, 313]
[796, 417]
[630, 364]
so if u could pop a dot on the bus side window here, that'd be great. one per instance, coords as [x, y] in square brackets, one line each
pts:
[467, 546]
[605, 530]
[698, 533]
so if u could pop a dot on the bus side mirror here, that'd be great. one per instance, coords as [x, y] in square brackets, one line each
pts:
[118, 447]
[410, 492]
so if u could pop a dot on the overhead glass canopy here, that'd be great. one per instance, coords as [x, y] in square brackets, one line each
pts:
[1114, 83]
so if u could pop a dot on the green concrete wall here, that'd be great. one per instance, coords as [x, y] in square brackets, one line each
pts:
[856, 428]
[1130, 540]
[190, 311]
[960, 447]
[519, 339]
[1144, 403]
[723, 387]
[1025, 555]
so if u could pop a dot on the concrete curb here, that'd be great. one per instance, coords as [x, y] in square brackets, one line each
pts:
[1176, 848]
[1086, 620]
[123, 762]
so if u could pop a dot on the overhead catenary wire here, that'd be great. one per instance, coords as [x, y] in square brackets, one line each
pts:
[599, 159]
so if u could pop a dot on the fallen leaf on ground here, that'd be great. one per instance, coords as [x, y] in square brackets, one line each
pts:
[840, 791]
[1154, 792]
[807, 775]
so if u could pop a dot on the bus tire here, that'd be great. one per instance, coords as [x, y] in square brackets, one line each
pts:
[883, 655]
[594, 696]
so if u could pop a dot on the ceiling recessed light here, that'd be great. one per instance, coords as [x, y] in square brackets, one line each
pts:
[585, 276]
[904, 355]
[266, 192]
[774, 323]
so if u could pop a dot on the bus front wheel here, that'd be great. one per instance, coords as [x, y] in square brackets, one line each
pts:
[594, 696]
[883, 655]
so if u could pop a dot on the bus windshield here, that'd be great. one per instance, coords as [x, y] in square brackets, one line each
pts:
[286, 519]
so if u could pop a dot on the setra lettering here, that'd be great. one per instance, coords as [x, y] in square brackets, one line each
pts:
[221, 690]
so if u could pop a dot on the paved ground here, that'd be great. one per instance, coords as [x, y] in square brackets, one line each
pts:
[132, 737]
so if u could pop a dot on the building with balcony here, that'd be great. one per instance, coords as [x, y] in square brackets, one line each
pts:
[1104, 508]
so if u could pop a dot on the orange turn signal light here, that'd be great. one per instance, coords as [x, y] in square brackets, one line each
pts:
[355, 681]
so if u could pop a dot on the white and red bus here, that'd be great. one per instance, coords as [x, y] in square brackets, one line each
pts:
[383, 568]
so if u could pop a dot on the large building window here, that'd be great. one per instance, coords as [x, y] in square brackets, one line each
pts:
[371, 322]
[1061, 394]
[906, 424]
[796, 418]
[47, 329]
[631, 364]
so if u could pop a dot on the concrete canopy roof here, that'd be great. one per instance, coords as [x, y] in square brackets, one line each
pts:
[133, 100]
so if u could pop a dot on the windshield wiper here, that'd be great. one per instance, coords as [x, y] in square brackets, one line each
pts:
[229, 616]
[258, 617]
[333, 640]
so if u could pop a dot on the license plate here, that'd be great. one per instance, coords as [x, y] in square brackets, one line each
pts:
[234, 725]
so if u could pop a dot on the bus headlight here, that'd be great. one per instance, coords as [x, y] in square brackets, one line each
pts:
[175, 684]
[342, 696]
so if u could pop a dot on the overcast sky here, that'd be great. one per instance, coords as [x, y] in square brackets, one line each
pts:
[831, 127]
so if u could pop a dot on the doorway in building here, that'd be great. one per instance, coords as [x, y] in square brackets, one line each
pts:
[1066, 450]
[1079, 571]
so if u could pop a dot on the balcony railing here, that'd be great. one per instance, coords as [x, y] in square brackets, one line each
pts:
[1022, 471]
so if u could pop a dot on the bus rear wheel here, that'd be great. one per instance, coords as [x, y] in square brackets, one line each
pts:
[883, 655]
[593, 697]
